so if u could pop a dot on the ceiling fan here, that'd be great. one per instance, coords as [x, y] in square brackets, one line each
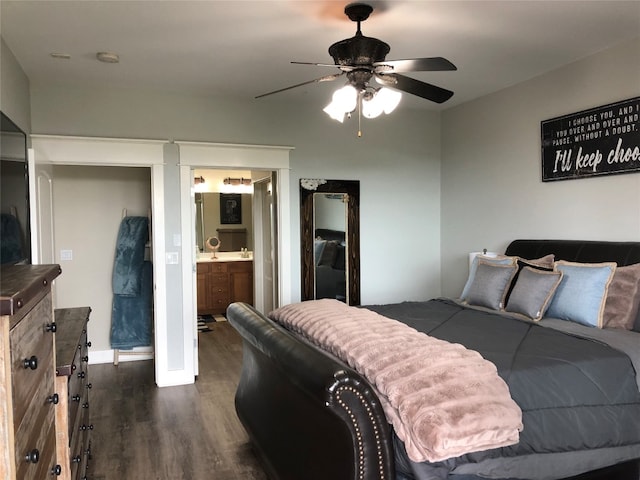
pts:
[361, 58]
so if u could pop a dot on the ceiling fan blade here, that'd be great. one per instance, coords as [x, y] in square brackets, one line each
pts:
[327, 78]
[431, 64]
[415, 87]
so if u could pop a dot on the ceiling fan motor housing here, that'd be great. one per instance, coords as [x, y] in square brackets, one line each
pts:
[360, 58]
[359, 51]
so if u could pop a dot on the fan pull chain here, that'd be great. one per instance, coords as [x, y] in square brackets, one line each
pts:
[359, 116]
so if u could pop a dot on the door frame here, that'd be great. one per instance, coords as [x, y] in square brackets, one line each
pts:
[194, 155]
[73, 150]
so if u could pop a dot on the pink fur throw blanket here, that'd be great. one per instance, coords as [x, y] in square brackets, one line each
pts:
[442, 399]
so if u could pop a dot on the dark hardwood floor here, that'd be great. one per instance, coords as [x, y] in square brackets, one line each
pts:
[188, 432]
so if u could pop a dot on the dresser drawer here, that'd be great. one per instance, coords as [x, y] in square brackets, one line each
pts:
[31, 360]
[73, 423]
[35, 445]
[79, 448]
[76, 392]
[27, 369]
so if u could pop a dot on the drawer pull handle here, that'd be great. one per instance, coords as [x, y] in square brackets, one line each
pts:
[85, 405]
[76, 398]
[53, 399]
[86, 427]
[33, 456]
[82, 375]
[89, 386]
[51, 327]
[85, 358]
[76, 459]
[31, 363]
[57, 470]
[88, 344]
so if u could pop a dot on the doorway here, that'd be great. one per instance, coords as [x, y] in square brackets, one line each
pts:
[250, 232]
[234, 230]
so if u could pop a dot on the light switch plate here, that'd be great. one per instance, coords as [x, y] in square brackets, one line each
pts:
[66, 255]
[171, 258]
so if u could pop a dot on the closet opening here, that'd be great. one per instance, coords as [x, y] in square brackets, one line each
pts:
[89, 206]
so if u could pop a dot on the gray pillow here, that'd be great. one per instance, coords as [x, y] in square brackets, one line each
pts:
[533, 292]
[490, 284]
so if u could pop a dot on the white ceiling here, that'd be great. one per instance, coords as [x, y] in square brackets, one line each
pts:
[243, 48]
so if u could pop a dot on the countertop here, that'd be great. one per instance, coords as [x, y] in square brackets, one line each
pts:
[224, 257]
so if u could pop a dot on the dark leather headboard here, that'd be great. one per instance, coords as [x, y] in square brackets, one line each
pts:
[587, 251]
[328, 234]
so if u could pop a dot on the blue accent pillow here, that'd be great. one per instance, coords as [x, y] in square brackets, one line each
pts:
[500, 260]
[582, 293]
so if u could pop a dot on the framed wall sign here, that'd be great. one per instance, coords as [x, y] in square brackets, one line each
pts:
[230, 208]
[600, 141]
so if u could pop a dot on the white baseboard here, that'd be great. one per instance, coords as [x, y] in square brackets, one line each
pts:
[106, 356]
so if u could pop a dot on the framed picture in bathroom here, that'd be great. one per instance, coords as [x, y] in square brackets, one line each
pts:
[230, 208]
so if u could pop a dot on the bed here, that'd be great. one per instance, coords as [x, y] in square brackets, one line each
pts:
[329, 263]
[310, 415]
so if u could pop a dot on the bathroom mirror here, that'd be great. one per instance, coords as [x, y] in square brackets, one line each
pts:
[330, 239]
[208, 223]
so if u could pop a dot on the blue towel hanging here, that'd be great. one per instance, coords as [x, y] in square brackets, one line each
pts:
[132, 287]
[131, 315]
[127, 268]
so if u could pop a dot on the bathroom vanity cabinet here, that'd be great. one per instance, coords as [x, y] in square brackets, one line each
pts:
[220, 283]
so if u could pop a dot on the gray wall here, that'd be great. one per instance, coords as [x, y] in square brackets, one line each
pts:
[491, 166]
[491, 188]
[397, 162]
[89, 203]
[15, 101]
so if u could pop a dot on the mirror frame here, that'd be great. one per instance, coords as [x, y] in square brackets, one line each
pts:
[307, 236]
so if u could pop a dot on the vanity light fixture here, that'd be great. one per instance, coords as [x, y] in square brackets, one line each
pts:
[198, 180]
[237, 181]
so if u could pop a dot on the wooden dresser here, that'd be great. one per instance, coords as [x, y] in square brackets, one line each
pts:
[28, 400]
[220, 283]
[73, 426]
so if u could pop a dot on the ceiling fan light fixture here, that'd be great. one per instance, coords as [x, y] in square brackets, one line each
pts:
[346, 98]
[371, 106]
[344, 101]
[334, 111]
[374, 102]
[389, 98]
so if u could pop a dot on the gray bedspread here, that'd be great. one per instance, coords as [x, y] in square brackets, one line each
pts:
[579, 396]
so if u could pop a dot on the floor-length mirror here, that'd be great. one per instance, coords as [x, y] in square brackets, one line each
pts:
[330, 239]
